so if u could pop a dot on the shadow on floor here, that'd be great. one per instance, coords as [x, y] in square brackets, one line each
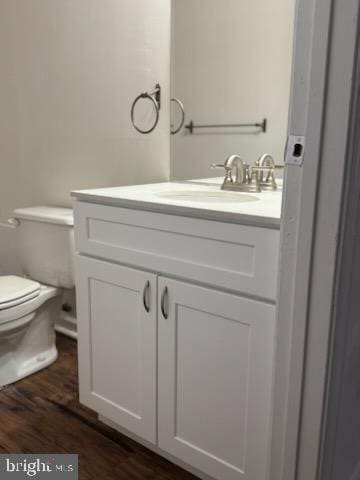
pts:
[42, 414]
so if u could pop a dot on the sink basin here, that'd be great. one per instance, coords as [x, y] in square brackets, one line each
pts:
[206, 196]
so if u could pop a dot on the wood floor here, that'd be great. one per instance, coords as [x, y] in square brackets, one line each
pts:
[42, 414]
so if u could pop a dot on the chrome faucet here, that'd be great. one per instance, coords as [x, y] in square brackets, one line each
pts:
[266, 159]
[265, 170]
[240, 168]
[245, 180]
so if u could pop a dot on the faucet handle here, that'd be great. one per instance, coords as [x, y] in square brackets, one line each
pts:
[228, 173]
[217, 165]
[264, 170]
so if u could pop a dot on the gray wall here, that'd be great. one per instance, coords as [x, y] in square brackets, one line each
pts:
[67, 80]
[231, 63]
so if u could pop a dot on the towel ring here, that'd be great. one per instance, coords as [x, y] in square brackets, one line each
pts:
[182, 121]
[155, 97]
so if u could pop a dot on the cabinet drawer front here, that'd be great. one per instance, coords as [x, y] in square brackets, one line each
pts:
[117, 343]
[230, 256]
[215, 368]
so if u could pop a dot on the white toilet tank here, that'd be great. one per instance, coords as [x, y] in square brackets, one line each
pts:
[45, 238]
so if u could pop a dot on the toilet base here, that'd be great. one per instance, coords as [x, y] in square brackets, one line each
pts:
[28, 345]
[37, 363]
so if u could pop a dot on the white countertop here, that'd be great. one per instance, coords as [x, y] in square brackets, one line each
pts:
[263, 210]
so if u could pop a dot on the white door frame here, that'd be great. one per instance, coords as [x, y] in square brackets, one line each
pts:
[321, 92]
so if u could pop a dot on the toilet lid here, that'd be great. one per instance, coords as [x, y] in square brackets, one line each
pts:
[16, 290]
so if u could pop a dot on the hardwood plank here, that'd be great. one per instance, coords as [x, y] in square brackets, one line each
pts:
[42, 414]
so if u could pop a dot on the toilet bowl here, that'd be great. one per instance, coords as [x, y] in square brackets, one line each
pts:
[28, 308]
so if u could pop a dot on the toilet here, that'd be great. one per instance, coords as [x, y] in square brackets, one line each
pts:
[30, 305]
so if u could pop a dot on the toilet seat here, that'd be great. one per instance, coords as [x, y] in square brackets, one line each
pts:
[16, 290]
[12, 314]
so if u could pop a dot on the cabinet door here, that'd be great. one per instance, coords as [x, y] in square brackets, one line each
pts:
[117, 344]
[215, 367]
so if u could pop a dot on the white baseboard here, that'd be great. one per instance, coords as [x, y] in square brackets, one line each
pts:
[66, 325]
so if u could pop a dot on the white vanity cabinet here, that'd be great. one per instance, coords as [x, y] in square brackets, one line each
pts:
[166, 351]
[117, 343]
[214, 380]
